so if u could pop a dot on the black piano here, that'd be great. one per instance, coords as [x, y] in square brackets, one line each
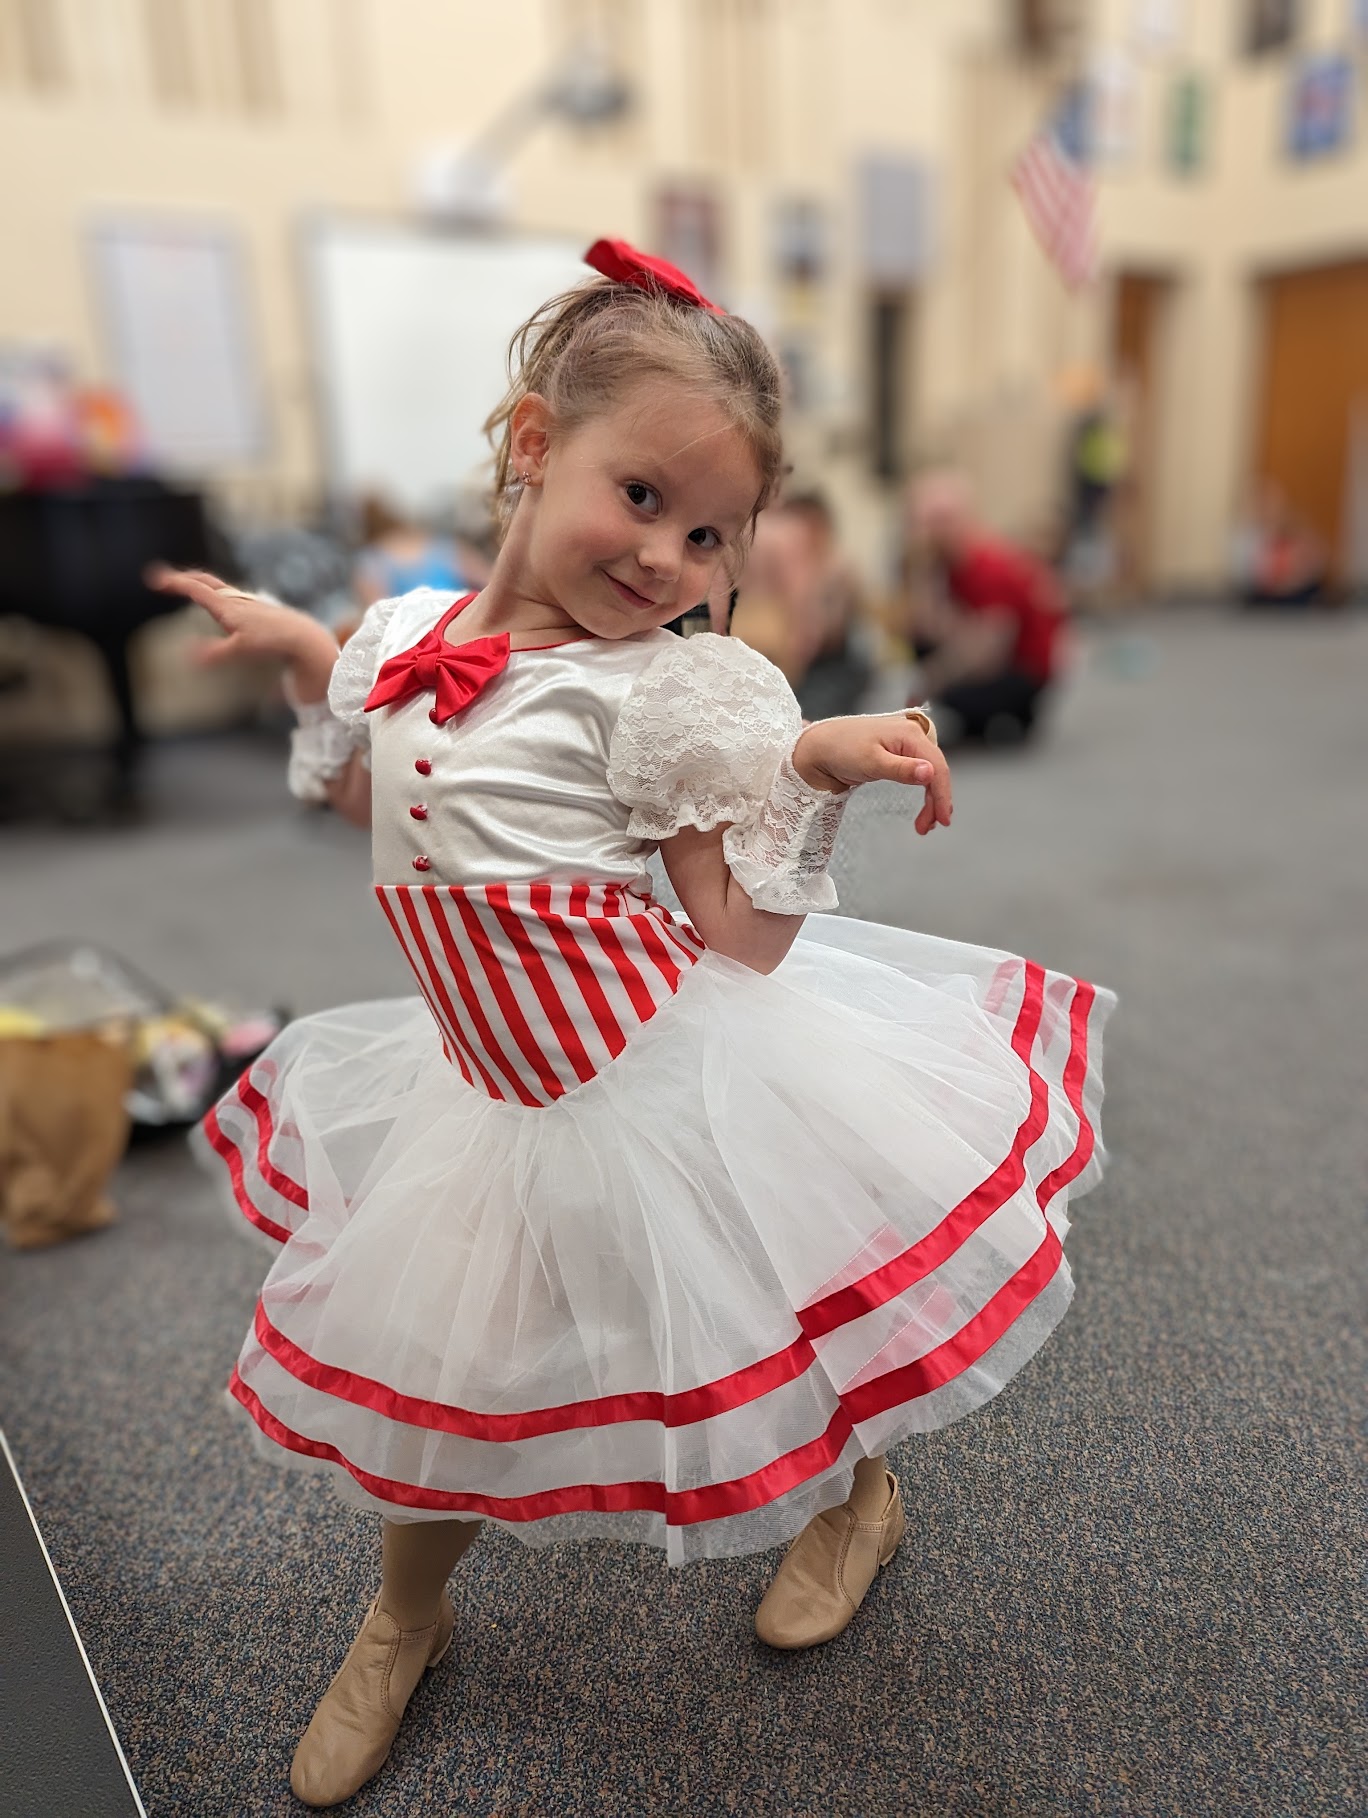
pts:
[74, 557]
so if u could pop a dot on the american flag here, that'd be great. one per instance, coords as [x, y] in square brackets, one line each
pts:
[1055, 185]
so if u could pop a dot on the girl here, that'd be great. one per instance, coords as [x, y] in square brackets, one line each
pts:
[628, 1226]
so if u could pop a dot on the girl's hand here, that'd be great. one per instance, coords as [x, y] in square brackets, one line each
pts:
[872, 748]
[254, 627]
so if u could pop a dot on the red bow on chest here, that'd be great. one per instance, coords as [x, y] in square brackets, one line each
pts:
[456, 672]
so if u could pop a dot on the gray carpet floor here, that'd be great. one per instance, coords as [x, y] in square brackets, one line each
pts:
[1134, 1585]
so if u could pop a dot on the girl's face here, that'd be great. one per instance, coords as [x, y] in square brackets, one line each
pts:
[632, 513]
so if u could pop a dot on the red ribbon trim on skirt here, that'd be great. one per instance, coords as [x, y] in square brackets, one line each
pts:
[224, 1146]
[919, 1377]
[710, 1502]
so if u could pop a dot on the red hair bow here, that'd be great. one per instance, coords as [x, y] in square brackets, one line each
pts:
[621, 262]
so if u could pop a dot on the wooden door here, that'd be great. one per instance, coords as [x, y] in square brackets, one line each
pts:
[1315, 367]
[1139, 300]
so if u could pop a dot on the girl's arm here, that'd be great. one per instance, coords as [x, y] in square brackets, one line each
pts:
[257, 627]
[829, 758]
[350, 794]
[717, 906]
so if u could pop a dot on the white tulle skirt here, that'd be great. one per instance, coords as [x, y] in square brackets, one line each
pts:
[801, 1217]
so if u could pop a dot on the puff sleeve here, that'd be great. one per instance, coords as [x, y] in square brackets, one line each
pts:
[704, 739]
[355, 670]
[329, 732]
[700, 737]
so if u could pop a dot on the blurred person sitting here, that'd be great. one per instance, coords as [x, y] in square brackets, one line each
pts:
[836, 672]
[1097, 463]
[987, 628]
[773, 611]
[399, 554]
[799, 599]
[1279, 560]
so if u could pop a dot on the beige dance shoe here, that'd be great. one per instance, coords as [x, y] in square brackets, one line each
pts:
[823, 1577]
[352, 1731]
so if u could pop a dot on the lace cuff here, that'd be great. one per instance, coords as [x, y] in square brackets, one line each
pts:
[780, 857]
[321, 747]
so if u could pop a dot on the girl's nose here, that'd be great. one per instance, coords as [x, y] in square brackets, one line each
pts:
[662, 555]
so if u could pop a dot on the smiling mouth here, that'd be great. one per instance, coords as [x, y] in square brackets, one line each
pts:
[630, 595]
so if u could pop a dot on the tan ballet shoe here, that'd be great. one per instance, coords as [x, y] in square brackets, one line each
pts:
[352, 1731]
[823, 1577]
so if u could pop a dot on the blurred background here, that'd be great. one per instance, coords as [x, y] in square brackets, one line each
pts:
[1072, 298]
[1107, 260]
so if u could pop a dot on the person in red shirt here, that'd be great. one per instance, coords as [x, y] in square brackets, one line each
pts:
[988, 635]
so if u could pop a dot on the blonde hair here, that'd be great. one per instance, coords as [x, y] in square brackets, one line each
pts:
[583, 349]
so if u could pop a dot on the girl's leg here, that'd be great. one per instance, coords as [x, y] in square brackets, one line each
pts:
[417, 1558]
[869, 1493]
[407, 1629]
[823, 1577]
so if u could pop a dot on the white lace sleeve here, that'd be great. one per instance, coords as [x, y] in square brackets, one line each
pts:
[701, 737]
[780, 856]
[321, 747]
[353, 674]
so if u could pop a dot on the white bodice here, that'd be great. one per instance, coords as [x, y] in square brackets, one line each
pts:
[516, 786]
[575, 761]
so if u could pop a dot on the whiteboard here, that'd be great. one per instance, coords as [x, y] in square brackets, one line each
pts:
[173, 296]
[411, 332]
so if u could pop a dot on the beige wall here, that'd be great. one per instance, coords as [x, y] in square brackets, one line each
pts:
[1250, 212]
[762, 99]
[765, 98]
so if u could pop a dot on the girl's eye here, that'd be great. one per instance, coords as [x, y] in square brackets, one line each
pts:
[644, 497]
[705, 539]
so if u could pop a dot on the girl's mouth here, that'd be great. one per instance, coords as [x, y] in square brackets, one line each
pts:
[630, 597]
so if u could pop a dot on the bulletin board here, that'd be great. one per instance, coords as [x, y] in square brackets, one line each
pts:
[410, 332]
[173, 300]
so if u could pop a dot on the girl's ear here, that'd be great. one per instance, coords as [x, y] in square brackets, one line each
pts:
[529, 436]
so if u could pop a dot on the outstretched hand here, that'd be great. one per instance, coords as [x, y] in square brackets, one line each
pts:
[874, 748]
[252, 626]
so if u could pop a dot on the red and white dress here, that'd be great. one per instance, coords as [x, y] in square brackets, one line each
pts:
[601, 1233]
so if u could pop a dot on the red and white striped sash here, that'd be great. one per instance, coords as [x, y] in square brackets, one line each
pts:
[535, 987]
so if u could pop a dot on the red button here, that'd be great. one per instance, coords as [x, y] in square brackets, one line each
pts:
[422, 862]
[419, 811]
[423, 766]
[432, 715]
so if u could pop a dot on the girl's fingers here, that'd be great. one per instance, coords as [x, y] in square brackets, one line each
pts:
[197, 592]
[207, 652]
[180, 580]
[219, 608]
[893, 768]
[933, 776]
[938, 798]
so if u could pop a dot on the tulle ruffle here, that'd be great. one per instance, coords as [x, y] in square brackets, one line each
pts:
[800, 1218]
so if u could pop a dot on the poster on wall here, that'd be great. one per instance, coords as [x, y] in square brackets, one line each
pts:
[800, 240]
[1321, 107]
[1114, 106]
[895, 212]
[688, 232]
[173, 297]
[1188, 133]
[1269, 25]
[1157, 26]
